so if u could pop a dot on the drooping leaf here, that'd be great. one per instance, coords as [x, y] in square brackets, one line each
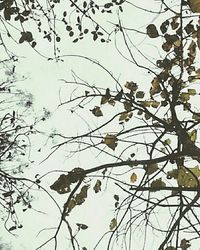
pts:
[116, 197]
[113, 224]
[152, 31]
[164, 26]
[80, 197]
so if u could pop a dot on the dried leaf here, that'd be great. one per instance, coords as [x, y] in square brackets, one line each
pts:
[81, 226]
[194, 5]
[110, 141]
[158, 184]
[133, 178]
[152, 31]
[97, 111]
[131, 86]
[151, 168]
[97, 186]
[113, 224]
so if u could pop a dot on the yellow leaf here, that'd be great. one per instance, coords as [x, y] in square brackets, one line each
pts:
[167, 141]
[193, 135]
[125, 116]
[110, 141]
[192, 91]
[184, 97]
[133, 178]
[155, 88]
[113, 224]
[155, 104]
[187, 177]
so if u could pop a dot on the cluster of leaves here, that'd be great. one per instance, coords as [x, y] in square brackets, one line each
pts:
[78, 17]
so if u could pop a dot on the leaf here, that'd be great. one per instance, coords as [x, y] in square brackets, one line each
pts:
[26, 36]
[166, 46]
[151, 168]
[193, 135]
[81, 226]
[97, 111]
[80, 197]
[118, 97]
[172, 174]
[158, 184]
[105, 98]
[155, 104]
[133, 178]
[196, 117]
[12, 228]
[125, 116]
[152, 31]
[192, 91]
[167, 141]
[155, 86]
[113, 224]
[71, 205]
[97, 186]
[131, 86]
[110, 141]
[184, 97]
[116, 197]
[185, 244]
[194, 5]
[140, 94]
[164, 26]
[187, 177]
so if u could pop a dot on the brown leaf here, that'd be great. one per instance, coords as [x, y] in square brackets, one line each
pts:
[152, 31]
